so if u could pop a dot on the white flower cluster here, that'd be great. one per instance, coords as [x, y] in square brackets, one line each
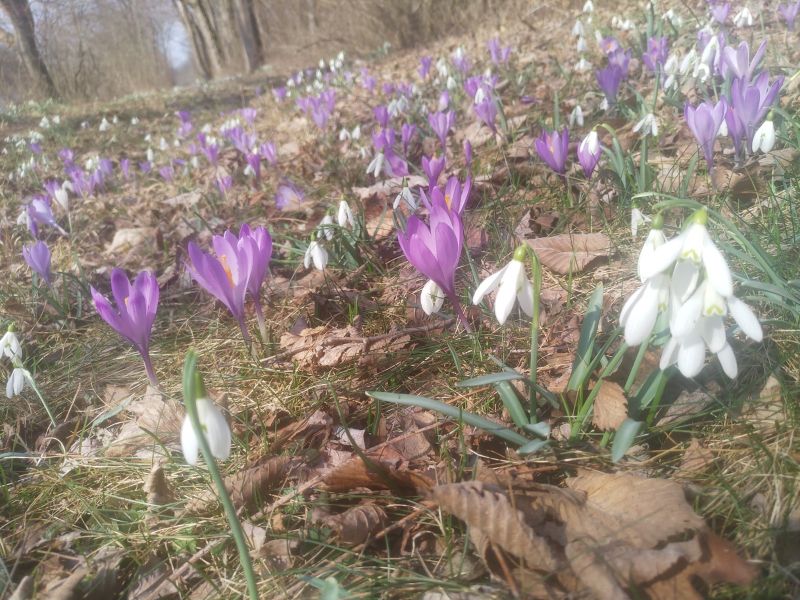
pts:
[688, 279]
[326, 230]
[11, 349]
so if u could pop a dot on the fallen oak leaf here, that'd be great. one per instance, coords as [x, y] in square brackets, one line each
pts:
[571, 253]
[355, 525]
[610, 406]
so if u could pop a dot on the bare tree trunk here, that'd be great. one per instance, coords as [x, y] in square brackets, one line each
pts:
[19, 12]
[201, 27]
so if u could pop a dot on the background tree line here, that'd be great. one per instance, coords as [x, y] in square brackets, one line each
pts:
[87, 49]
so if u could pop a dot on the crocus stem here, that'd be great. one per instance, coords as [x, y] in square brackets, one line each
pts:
[245, 333]
[462, 318]
[262, 324]
[190, 379]
[148, 366]
[537, 288]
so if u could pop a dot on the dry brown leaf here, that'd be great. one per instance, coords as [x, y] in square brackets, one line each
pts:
[387, 470]
[157, 488]
[388, 188]
[157, 422]
[696, 459]
[357, 524]
[488, 509]
[280, 553]
[256, 536]
[685, 406]
[325, 348]
[768, 409]
[610, 406]
[131, 238]
[250, 486]
[567, 252]
[24, 590]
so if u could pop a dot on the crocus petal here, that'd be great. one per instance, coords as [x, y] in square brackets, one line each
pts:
[745, 318]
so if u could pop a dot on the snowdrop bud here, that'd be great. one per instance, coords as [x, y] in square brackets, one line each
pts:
[215, 430]
[588, 7]
[581, 45]
[317, 254]
[344, 216]
[582, 66]
[431, 298]
[576, 116]
[16, 382]
[764, 138]
[744, 18]
[104, 125]
[10, 346]
[577, 29]
[325, 228]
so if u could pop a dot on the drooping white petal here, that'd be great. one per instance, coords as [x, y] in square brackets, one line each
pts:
[661, 258]
[507, 292]
[642, 317]
[691, 355]
[344, 216]
[189, 443]
[684, 280]
[431, 298]
[488, 285]
[745, 318]
[717, 270]
[712, 329]
[686, 317]
[217, 431]
[630, 303]
[669, 355]
[727, 359]
[525, 297]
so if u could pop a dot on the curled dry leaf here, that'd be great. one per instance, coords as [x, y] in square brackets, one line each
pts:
[250, 486]
[610, 406]
[571, 252]
[385, 470]
[685, 406]
[157, 421]
[157, 488]
[607, 534]
[357, 524]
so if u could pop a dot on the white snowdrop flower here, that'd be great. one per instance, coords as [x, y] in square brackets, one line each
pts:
[576, 116]
[451, 83]
[356, 132]
[670, 82]
[115, 120]
[671, 65]
[344, 216]
[695, 249]
[441, 68]
[723, 129]
[163, 145]
[104, 125]
[640, 312]
[61, 196]
[578, 29]
[637, 219]
[10, 346]
[512, 285]
[148, 138]
[648, 125]
[407, 196]
[16, 382]
[744, 18]
[44, 123]
[377, 165]
[604, 104]
[325, 228]
[431, 298]
[194, 162]
[249, 171]
[317, 254]
[581, 45]
[764, 138]
[344, 135]
[206, 128]
[134, 120]
[673, 17]
[588, 6]
[150, 155]
[57, 119]
[84, 124]
[710, 52]
[582, 66]
[215, 430]
[701, 72]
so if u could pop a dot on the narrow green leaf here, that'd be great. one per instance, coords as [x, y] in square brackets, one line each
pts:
[583, 357]
[454, 413]
[623, 438]
[542, 428]
[490, 378]
[511, 401]
[533, 447]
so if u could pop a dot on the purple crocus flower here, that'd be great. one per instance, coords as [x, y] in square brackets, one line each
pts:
[425, 63]
[67, 156]
[751, 101]
[705, 122]
[269, 153]
[552, 147]
[211, 152]
[249, 115]
[609, 80]
[381, 115]
[224, 183]
[39, 212]
[37, 255]
[135, 311]
[789, 13]
[468, 154]
[656, 55]
[486, 110]
[444, 101]
[589, 153]
[609, 45]
[225, 276]
[262, 253]
[144, 167]
[738, 60]
[383, 142]
[407, 132]
[388, 88]
[125, 167]
[435, 250]
[254, 165]
[279, 93]
[288, 196]
[498, 55]
[167, 173]
[719, 12]
[433, 167]
[460, 60]
[621, 59]
[442, 123]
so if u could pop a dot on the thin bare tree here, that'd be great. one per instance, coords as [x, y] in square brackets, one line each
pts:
[21, 17]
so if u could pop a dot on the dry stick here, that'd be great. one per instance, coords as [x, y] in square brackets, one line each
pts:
[181, 571]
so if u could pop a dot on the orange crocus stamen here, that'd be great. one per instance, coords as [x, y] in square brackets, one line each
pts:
[224, 262]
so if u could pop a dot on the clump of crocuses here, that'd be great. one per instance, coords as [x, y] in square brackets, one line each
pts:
[134, 313]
